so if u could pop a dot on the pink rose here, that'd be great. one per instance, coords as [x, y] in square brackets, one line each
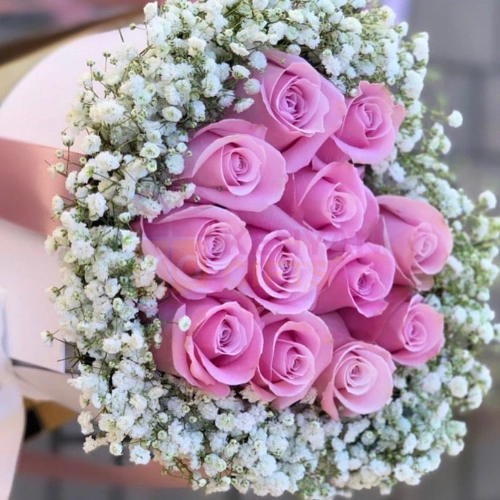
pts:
[409, 329]
[334, 202]
[286, 263]
[200, 249]
[358, 381]
[299, 107]
[233, 166]
[418, 237]
[297, 348]
[360, 277]
[221, 347]
[370, 126]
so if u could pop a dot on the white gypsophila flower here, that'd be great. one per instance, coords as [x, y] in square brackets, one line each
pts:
[68, 139]
[293, 49]
[211, 85]
[488, 200]
[414, 84]
[227, 99]
[97, 205]
[421, 47]
[90, 444]
[455, 264]
[257, 60]
[150, 11]
[130, 241]
[105, 162]
[112, 345]
[458, 386]
[116, 449]
[150, 151]
[486, 332]
[252, 86]
[85, 419]
[259, 4]
[47, 338]
[71, 182]
[455, 119]
[196, 46]
[351, 24]
[172, 114]
[432, 383]
[198, 110]
[240, 72]
[106, 111]
[181, 147]
[243, 104]
[139, 455]
[112, 287]
[184, 323]
[91, 144]
[175, 164]
[81, 250]
[397, 172]
[57, 205]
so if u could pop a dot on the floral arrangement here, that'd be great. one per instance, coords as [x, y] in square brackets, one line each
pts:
[269, 280]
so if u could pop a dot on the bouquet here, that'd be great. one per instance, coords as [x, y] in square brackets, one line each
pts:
[269, 280]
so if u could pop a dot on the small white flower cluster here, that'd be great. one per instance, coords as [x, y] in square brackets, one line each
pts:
[137, 116]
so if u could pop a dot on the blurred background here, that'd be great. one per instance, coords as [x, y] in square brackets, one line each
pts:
[465, 75]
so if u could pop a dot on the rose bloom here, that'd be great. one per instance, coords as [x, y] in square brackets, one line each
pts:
[286, 264]
[409, 329]
[221, 347]
[368, 133]
[297, 348]
[360, 277]
[200, 249]
[234, 166]
[418, 237]
[334, 202]
[299, 107]
[358, 380]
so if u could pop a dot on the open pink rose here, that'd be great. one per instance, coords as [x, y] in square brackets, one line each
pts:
[299, 107]
[297, 348]
[200, 249]
[372, 121]
[286, 264]
[220, 349]
[418, 237]
[334, 202]
[409, 329]
[358, 381]
[360, 277]
[234, 166]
